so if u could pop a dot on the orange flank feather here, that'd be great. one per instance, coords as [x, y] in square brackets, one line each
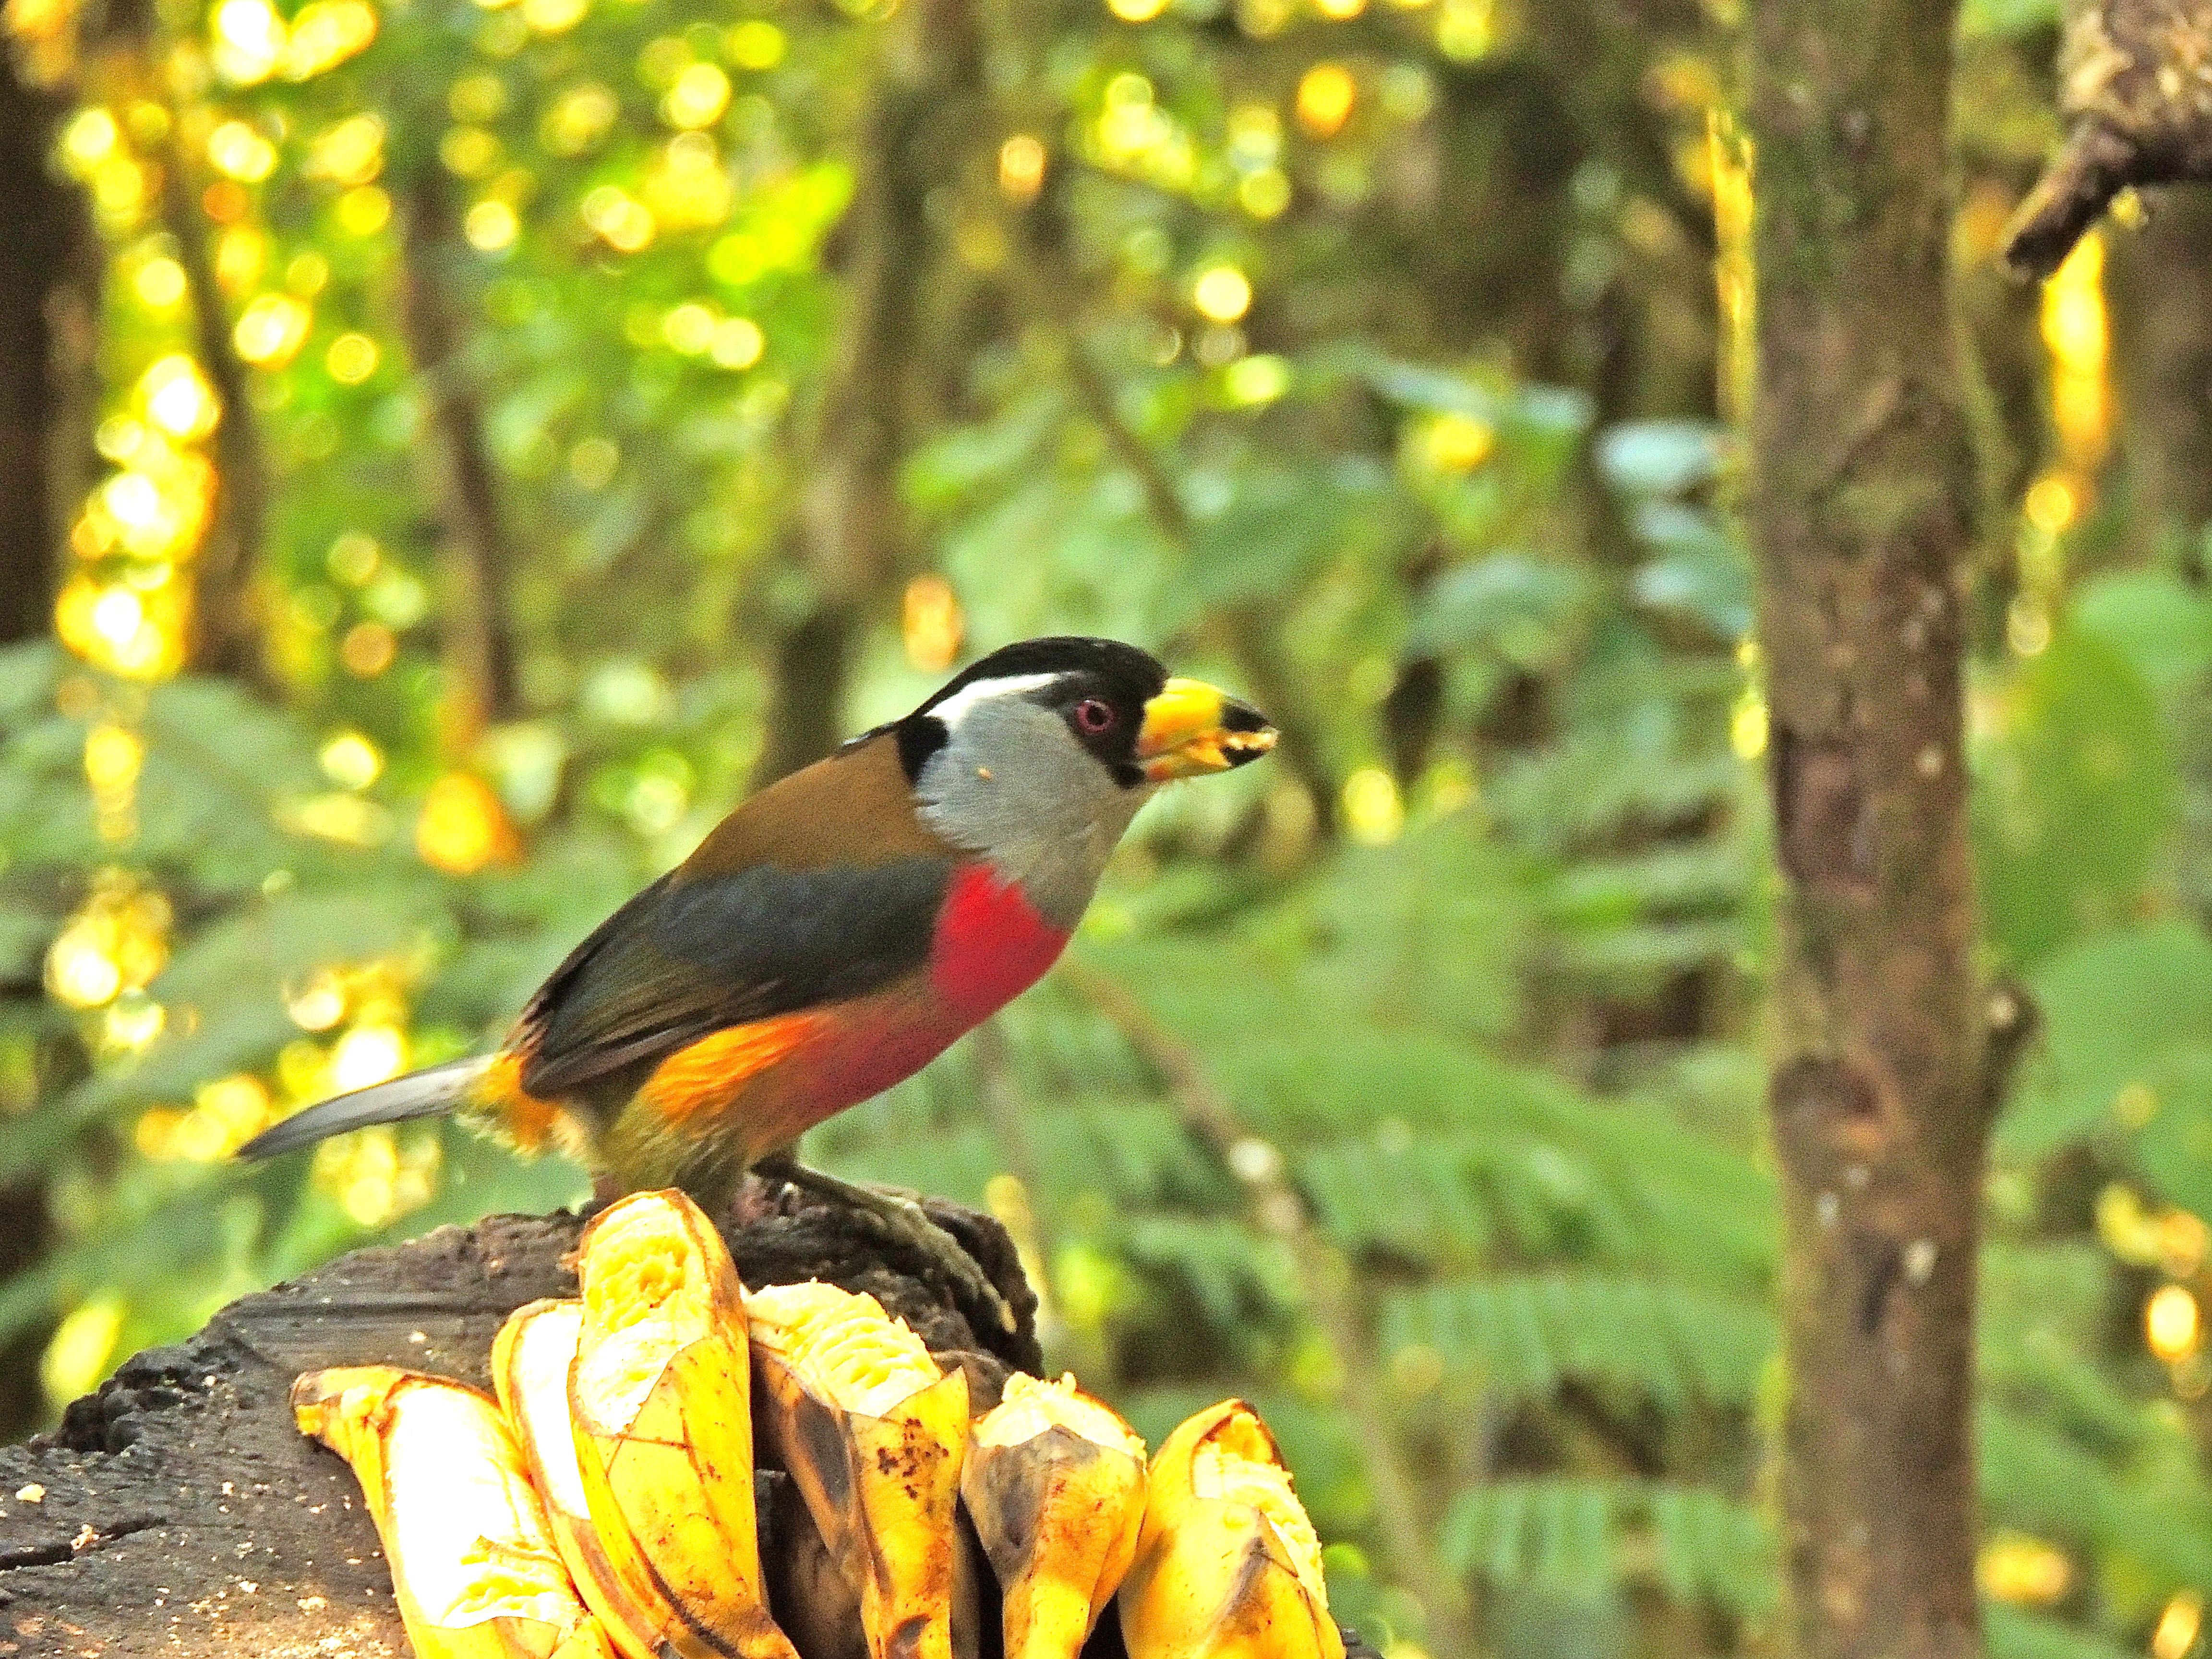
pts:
[527, 1119]
[700, 1079]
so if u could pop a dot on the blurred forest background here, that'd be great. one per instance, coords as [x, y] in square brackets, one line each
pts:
[449, 450]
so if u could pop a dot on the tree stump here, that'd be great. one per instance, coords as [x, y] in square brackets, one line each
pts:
[178, 1512]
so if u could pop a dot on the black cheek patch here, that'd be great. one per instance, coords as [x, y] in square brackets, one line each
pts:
[920, 736]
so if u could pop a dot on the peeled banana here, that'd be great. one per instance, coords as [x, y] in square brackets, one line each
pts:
[473, 1566]
[660, 1398]
[1227, 1567]
[873, 1435]
[1054, 1482]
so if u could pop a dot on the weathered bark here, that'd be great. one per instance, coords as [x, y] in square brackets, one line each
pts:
[479, 638]
[2136, 83]
[848, 533]
[2160, 283]
[1861, 494]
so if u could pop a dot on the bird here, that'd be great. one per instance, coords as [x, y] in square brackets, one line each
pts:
[835, 933]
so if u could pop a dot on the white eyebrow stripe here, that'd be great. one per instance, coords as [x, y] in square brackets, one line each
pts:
[951, 710]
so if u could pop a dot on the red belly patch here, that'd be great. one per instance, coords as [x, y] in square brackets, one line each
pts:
[990, 944]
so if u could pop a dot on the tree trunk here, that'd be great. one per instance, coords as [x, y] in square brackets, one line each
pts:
[1862, 491]
[479, 554]
[849, 534]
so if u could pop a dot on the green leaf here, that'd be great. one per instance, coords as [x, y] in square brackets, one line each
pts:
[2075, 801]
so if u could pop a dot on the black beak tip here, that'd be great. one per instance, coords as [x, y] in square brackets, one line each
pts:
[1242, 717]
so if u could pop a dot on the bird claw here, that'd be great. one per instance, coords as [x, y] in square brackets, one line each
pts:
[898, 1215]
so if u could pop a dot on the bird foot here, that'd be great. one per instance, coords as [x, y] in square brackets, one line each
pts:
[898, 1215]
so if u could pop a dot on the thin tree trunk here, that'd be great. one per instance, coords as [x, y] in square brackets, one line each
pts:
[848, 533]
[1861, 492]
[42, 233]
[479, 643]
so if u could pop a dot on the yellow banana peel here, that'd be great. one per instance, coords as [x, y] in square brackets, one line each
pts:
[873, 1434]
[660, 1398]
[473, 1565]
[1227, 1565]
[1054, 1483]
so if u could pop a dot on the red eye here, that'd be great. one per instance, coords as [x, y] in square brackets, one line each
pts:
[1094, 716]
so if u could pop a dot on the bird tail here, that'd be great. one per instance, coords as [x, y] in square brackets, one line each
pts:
[430, 1092]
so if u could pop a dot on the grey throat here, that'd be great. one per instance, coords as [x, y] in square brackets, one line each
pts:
[1012, 784]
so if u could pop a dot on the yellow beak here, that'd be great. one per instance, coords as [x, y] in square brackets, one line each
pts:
[1191, 728]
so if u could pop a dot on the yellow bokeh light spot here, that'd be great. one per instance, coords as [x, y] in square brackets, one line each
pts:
[366, 1056]
[1467, 29]
[619, 219]
[463, 827]
[2076, 335]
[491, 225]
[756, 44]
[1373, 811]
[1748, 725]
[78, 1355]
[160, 283]
[349, 153]
[932, 625]
[1455, 444]
[1326, 95]
[1021, 167]
[579, 117]
[249, 40]
[554, 17]
[112, 755]
[178, 398]
[271, 330]
[323, 34]
[738, 343]
[1136, 11]
[351, 359]
[1264, 194]
[689, 328]
[2178, 1627]
[2024, 1571]
[364, 212]
[88, 140]
[367, 649]
[2050, 503]
[1340, 11]
[697, 98]
[79, 970]
[1222, 294]
[237, 151]
[2173, 1324]
[118, 614]
[320, 1006]
[351, 761]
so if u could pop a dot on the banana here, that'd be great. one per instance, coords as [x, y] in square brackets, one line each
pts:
[1054, 1482]
[873, 1435]
[1228, 1566]
[660, 1398]
[473, 1566]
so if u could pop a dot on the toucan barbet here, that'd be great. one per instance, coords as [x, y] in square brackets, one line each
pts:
[838, 930]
